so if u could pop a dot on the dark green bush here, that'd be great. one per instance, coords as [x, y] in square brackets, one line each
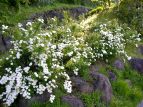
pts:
[131, 12]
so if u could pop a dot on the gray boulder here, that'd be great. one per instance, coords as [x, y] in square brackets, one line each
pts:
[102, 84]
[137, 64]
[118, 64]
[140, 49]
[2, 46]
[140, 104]
[73, 101]
[5, 43]
[81, 85]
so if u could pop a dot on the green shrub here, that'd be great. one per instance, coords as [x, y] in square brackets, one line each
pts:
[131, 12]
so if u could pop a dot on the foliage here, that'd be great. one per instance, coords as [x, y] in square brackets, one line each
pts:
[127, 88]
[130, 12]
[92, 99]
[78, 2]
[17, 3]
[95, 11]
[104, 3]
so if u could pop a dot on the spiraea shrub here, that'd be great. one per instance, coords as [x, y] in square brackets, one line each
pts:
[110, 39]
[44, 57]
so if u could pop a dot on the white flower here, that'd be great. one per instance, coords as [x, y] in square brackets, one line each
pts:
[30, 64]
[19, 25]
[129, 58]
[18, 55]
[26, 69]
[138, 39]
[35, 73]
[42, 45]
[52, 98]
[41, 20]
[75, 71]
[4, 79]
[68, 86]
[70, 53]
[4, 27]
[29, 24]
[104, 51]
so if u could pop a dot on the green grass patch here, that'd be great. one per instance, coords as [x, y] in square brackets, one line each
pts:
[10, 16]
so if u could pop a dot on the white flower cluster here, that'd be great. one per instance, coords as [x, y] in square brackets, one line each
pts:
[113, 41]
[4, 27]
[37, 61]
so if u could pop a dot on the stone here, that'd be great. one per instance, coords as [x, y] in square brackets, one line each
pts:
[140, 49]
[73, 101]
[81, 85]
[58, 13]
[8, 42]
[137, 64]
[5, 43]
[76, 12]
[112, 76]
[2, 46]
[102, 84]
[119, 64]
[43, 98]
[140, 104]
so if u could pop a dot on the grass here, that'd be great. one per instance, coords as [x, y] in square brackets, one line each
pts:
[12, 17]
[56, 103]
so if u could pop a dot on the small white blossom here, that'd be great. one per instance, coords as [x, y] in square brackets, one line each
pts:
[26, 69]
[52, 98]
[18, 55]
[41, 20]
[35, 73]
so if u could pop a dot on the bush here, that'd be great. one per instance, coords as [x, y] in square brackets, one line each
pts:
[41, 58]
[130, 12]
[109, 40]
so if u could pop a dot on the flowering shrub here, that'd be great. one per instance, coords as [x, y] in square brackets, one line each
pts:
[110, 39]
[40, 58]
[44, 57]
